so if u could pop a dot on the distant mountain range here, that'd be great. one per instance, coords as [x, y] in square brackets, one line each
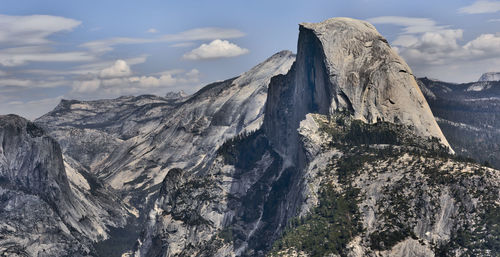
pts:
[469, 115]
[490, 76]
[334, 151]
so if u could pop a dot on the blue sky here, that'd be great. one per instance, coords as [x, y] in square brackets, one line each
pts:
[51, 50]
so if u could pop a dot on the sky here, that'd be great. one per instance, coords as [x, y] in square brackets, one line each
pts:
[52, 50]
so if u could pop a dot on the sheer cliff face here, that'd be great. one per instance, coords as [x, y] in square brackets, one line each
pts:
[45, 209]
[345, 65]
[31, 160]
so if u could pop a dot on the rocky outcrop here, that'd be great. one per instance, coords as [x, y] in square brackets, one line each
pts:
[396, 199]
[345, 65]
[47, 209]
[490, 76]
[176, 96]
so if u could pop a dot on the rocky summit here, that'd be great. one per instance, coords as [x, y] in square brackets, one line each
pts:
[346, 65]
[490, 76]
[332, 152]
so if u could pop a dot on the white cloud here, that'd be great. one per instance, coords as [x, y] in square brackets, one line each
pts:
[17, 56]
[106, 45]
[215, 49]
[482, 6]
[210, 33]
[484, 45]
[86, 86]
[119, 69]
[33, 29]
[24, 39]
[194, 73]
[117, 80]
[434, 50]
[411, 25]
[2, 73]
[14, 82]
[152, 30]
[96, 67]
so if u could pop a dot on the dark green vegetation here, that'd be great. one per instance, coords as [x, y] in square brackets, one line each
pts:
[480, 235]
[329, 227]
[413, 184]
[348, 132]
[414, 196]
[236, 152]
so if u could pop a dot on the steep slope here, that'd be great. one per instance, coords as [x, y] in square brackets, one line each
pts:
[380, 190]
[241, 202]
[48, 210]
[132, 142]
[345, 65]
[339, 155]
[469, 115]
[374, 173]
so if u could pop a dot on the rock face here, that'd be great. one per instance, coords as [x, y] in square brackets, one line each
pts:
[337, 154]
[132, 142]
[241, 202]
[48, 210]
[176, 96]
[490, 76]
[345, 65]
[388, 195]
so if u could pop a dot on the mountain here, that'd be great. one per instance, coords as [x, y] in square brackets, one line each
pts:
[176, 96]
[108, 136]
[468, 114]
[131, 143]
[490, 76]
[345, 65]
[48, 208]
[332, 152]
[368, 174]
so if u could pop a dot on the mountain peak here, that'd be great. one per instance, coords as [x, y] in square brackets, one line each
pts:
[344, 23]
[344, 64]
[176, 95]
[490, 76]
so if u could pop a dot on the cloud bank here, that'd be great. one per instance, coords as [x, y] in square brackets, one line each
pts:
[32, 29]
[439, 51]
[209, 33]
[118, 79]
[482, 6]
